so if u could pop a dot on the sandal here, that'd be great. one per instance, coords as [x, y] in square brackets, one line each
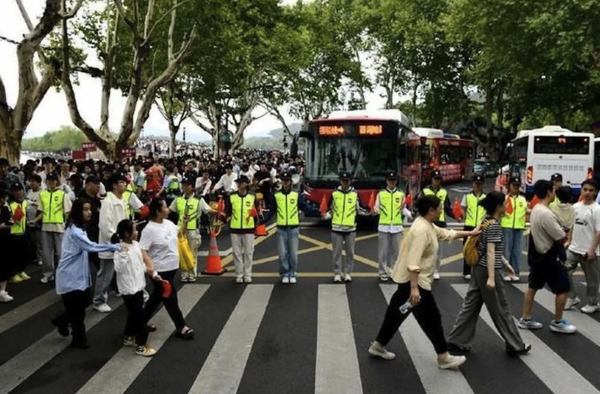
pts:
[187, 333]
[151, 327]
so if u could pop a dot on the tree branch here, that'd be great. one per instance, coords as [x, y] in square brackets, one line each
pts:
[70, 14]
[163, 16]
[148, 20]
[201, 125]
[121, 11]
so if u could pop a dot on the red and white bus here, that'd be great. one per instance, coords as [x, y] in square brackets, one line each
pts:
[368, 144]
[448, 153]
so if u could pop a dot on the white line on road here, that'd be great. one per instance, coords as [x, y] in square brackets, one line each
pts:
[223, 370]
[25, 311]
[337, 367]
[123, 368]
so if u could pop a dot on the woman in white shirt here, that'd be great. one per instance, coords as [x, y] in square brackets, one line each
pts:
[161, 256]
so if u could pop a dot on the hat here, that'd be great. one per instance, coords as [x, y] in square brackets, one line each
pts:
[436, 174]
[187, 181]
[478, 178]
[242, 179]
[92, 179]
[16, 186]
[52, 177]
[4, 162]
[515, 180]
[117, 177]
[391, 176]
[285, 176]
[345, 175]
[556, 177]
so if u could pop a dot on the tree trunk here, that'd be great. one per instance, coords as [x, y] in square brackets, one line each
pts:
[238, 140]
[10, 144]
[173, 131]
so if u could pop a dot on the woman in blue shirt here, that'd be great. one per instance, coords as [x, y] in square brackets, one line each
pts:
[73, 280]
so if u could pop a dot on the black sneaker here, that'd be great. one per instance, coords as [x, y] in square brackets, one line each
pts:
[79, 345]
[514, 352]
[63, 329]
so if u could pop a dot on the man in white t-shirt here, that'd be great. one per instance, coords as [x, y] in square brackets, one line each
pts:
[583, 247]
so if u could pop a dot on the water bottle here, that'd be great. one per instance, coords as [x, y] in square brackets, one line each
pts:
[406, 307]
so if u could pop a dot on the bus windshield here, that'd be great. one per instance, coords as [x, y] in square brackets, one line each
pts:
[561, 145]
[363, 158]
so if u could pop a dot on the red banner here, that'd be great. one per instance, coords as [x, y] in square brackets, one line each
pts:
[88, 147]
[78, 155]
[128, 152]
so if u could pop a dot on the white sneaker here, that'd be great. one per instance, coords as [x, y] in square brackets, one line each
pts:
[104, 308]
[515, 278]
[571, 302]
[239, 279]
[337, 279]
[293, 280]
[46, 279]
[285, 279]
[347, 278]
[590, 308]
[4, 297]
[379, 351]
[248, 279]
[451, 362]
[506, 278]
[467, 277]
[383, 278]
[436, 275]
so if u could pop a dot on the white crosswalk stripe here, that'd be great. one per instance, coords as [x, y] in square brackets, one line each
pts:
[339, 362]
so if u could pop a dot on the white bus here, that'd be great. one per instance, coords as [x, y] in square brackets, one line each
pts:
[537, 154]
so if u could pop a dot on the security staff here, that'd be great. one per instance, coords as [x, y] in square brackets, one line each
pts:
[474, 214]
[242, 211]
[436, 189]
[344, 205]
[557, 181]
[390, 206]
[513, 226]
[189, 206]
[19, 247]
[288, 203]
[55, 207]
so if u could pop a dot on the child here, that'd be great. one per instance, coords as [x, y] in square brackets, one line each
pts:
[131, 281]
[33, 227]
[565, 213]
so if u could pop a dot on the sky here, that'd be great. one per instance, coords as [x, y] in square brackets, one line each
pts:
[53, 112]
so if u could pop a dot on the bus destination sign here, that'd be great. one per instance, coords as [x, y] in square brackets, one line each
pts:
[370, 130]
[331, 130]
[362, 130]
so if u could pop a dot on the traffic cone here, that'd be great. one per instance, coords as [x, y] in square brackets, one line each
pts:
[457, 210]
[261, 230]
[213, 261]
[372, 200]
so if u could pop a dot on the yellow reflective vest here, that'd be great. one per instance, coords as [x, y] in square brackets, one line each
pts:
[240, 211]
[442, 194]
[287, 209]
[188, 207]
[344, 208]
[390, 207]
[54, 208]
[516, 219]
[474, 214]
[18, 228]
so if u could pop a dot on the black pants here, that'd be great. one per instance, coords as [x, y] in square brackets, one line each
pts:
[426, 312]
[467, 267]
[75, 303]
[136, 323]
[171, 303]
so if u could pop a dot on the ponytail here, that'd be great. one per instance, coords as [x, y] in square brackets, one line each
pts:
[115, 239]
[123, 228]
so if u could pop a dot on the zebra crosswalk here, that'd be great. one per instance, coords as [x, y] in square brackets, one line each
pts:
[309, 338]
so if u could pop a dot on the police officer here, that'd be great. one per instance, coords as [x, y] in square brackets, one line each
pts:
[390, 205]
[513, 226]
[436, 189]
[242, 226]
[344, 205]
[557, 181]
[474, 214]
[190, 206]
[288, 203]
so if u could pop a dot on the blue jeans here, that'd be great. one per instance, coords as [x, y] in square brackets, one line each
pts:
[287, 248]
[513, 247]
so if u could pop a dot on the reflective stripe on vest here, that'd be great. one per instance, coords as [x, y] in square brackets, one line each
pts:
[54, 208]
[190, 205]
[475, 213]
[344, 208]
[18, 228]
[516, 219]
[442, 194]
[390, 207]
[240, 211]
[287, 209]
[128, 211]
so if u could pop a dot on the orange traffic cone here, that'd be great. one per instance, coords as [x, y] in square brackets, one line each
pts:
[261, 230]
[457, 210]
[213, 261]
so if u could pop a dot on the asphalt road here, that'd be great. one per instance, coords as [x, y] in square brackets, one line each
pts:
[307, 338]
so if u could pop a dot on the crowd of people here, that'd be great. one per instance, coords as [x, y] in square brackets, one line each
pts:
[69, 213]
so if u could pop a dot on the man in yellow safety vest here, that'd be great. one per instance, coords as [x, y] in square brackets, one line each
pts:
[513, 226]
[474, 214]
[557, 181]
[436, 189]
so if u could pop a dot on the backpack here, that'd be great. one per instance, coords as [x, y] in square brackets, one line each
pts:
[470, 248]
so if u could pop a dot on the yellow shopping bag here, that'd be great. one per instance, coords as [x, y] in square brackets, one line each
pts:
[187, 260]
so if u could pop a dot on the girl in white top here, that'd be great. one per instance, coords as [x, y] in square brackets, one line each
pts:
[131, 281]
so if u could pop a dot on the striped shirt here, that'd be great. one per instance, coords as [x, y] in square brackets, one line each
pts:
[492, 234]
